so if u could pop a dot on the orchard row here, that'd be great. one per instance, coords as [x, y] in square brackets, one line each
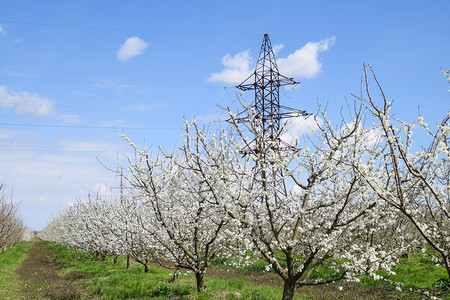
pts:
[348, 197]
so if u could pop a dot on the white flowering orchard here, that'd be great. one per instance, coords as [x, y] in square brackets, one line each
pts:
[414, 182]
[356, 198]
[330, 218]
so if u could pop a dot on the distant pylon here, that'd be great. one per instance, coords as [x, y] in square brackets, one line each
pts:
[266, 81]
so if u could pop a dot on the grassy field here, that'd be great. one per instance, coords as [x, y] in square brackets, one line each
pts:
[10, 261]
[51, 271]
[419, 273]
[116, 282]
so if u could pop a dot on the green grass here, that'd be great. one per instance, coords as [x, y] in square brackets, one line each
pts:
[116, 282]
[416, 272]
[226, 262]
[109, 281]
[10, 260]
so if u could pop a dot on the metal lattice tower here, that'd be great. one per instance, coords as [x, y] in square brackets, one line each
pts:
[266, 82]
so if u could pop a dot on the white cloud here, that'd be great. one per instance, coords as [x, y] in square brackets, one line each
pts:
[237, 68]
[209, 118]
[276, 49]
[300, 126]
[372, 136]
[32, 104]
[102, 190]
[302, 63]
[133, 46]
[25, 102]
[2, 31]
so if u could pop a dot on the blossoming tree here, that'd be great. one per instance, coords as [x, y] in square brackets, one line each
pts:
[328, 217]
[415, 180]
[180, 209]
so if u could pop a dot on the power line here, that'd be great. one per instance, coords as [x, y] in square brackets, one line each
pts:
[123, 29]
[84, 73]
[38, 149]
[121, 108]
[28, 69]
[104, 83]
[80, 118]
[24, 147]
[87, 127]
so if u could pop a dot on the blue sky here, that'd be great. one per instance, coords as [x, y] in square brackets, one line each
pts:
[72, 71]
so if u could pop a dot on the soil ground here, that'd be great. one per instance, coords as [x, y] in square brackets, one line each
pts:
[39, 272]
[343, 290]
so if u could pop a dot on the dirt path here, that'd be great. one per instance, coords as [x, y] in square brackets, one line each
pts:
[39, 272]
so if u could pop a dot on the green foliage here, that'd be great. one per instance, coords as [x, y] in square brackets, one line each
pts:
[161, 290]
[442, 284]
[257, 266]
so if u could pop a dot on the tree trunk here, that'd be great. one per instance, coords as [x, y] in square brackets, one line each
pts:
[146, 268]
[116, 258]
[200, 281]
[447, 265]
[128, 261]
[288, 289]
[175, 275]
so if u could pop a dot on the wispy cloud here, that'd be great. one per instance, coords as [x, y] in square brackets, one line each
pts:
[115, 84]
[133, 46]
[141, 107]
[210, 118]
[32, 105]
[92, 146]
[2, 31]
[25, 102]
[119, 88]
[48, 176]
[43, 183]
[302, 63]
[71, 118]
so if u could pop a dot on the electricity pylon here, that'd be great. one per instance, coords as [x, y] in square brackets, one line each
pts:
[266, 81]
